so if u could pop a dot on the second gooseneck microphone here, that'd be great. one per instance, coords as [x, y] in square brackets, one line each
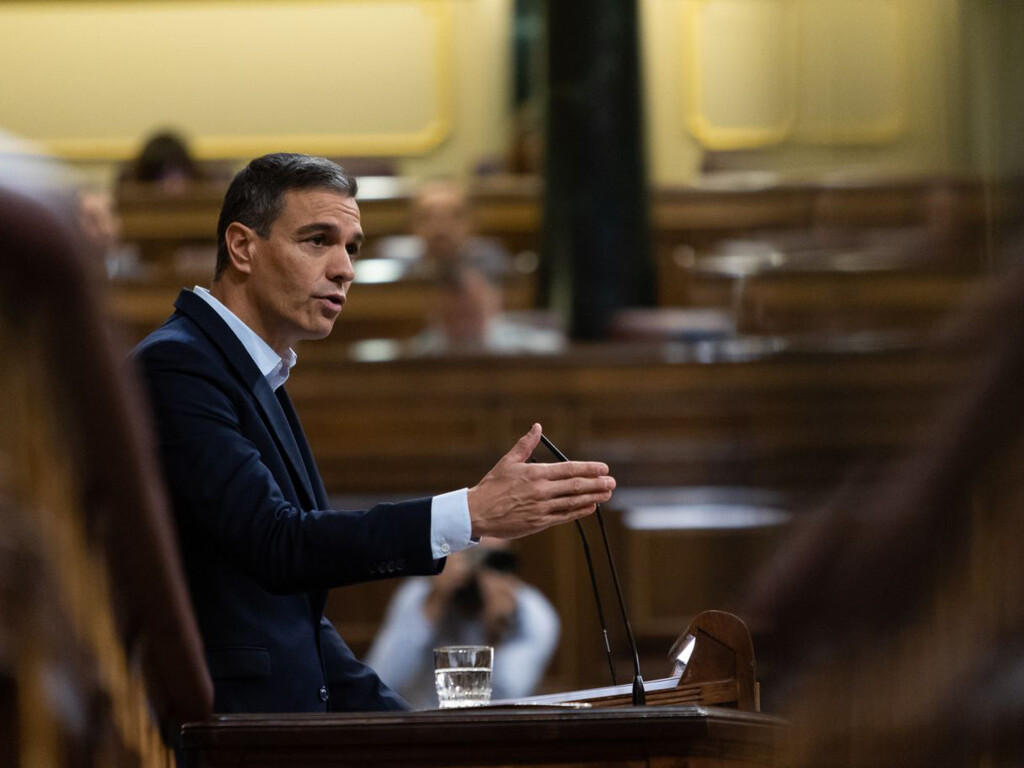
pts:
[639, 695]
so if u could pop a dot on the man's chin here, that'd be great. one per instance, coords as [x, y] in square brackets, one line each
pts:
[317, 332]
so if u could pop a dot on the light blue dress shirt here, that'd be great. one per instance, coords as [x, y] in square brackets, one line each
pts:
[450, 529]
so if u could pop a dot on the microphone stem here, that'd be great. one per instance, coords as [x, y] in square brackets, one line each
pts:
[639, 694]
[590, 571]
[597, 600]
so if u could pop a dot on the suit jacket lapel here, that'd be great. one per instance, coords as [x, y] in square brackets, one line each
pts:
[207, 318]
[319, 492]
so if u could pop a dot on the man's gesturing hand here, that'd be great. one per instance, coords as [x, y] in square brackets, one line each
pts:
[516, 498]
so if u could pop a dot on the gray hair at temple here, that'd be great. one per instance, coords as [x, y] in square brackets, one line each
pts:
[255, 197]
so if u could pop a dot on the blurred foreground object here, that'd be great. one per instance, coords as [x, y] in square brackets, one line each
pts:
[99, 655]
[896, 616]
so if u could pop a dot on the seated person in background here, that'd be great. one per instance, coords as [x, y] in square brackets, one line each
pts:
[442, 234]
[98, 223]
[477, 600]
[165, 160]
[468, 318]
[100, 227]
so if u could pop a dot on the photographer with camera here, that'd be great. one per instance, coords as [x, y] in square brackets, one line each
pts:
[477, 600]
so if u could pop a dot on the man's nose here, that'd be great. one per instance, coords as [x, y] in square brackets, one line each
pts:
[341, 269]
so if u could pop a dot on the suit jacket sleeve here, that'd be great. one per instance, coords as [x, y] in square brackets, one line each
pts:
[226, 476]
[353, 683]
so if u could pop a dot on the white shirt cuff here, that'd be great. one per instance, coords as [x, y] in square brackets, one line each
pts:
[450, 528]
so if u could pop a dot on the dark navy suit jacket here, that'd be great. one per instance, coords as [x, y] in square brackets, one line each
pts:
[260, 547]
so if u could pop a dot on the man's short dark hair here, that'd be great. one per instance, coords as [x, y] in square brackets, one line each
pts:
[256, 195]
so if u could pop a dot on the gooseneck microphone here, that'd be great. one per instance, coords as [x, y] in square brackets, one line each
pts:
[639, 695]
[597, 595]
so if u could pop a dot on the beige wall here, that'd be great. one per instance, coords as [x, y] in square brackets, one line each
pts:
[780, 85]
[420, 80]
[803, 86]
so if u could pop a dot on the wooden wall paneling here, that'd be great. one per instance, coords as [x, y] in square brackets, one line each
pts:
[787, 421]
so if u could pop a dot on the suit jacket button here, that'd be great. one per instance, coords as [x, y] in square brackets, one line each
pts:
[323, 693]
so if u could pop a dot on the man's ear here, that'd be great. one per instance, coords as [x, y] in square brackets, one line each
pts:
[241, 243]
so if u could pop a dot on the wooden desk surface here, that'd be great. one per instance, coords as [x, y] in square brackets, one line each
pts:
[653, 736]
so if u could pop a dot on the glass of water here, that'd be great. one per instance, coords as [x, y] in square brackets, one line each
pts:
[462, 675]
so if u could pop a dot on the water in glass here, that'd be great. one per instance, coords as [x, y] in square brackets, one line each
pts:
[463, 686]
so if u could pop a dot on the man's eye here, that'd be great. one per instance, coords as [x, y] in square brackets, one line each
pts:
[353, 249]
[318, 240]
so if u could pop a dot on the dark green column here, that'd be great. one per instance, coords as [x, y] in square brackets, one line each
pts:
[596, 230]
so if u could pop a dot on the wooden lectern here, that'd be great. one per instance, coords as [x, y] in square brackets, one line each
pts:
[713, 666]
[703, 716]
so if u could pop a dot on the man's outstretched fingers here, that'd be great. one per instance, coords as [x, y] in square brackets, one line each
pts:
[579, 485]
[567, 504]
[577, 512]
[524, 446]
[569, 469]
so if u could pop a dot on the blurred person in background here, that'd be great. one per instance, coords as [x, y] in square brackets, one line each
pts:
[468, 318]
[477, 600]
[98, 221]
[442, 234]
[100, 226]
[166, 161]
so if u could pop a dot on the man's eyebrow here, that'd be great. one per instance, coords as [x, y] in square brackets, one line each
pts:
[317, 226]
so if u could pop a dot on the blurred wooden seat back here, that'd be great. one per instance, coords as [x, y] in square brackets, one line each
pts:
[100, 658]
[896, 617]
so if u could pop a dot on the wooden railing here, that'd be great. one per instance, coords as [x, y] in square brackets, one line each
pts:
[726, 413]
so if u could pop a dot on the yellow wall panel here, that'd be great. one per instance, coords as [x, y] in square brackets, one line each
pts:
[853, 73]
[739, 71]
[88, 79]
[761, 72]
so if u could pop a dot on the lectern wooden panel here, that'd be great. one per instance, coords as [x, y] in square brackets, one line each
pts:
[714, 666]
[665, 737]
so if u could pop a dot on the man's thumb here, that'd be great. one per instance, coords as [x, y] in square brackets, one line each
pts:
[524, 446]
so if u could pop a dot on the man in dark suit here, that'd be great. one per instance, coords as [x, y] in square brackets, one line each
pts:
[260, 545]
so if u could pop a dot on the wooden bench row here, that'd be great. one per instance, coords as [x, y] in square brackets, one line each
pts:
[511, 209]
[725, 414]
[783, 276]
[396, 309]
[766, 303]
